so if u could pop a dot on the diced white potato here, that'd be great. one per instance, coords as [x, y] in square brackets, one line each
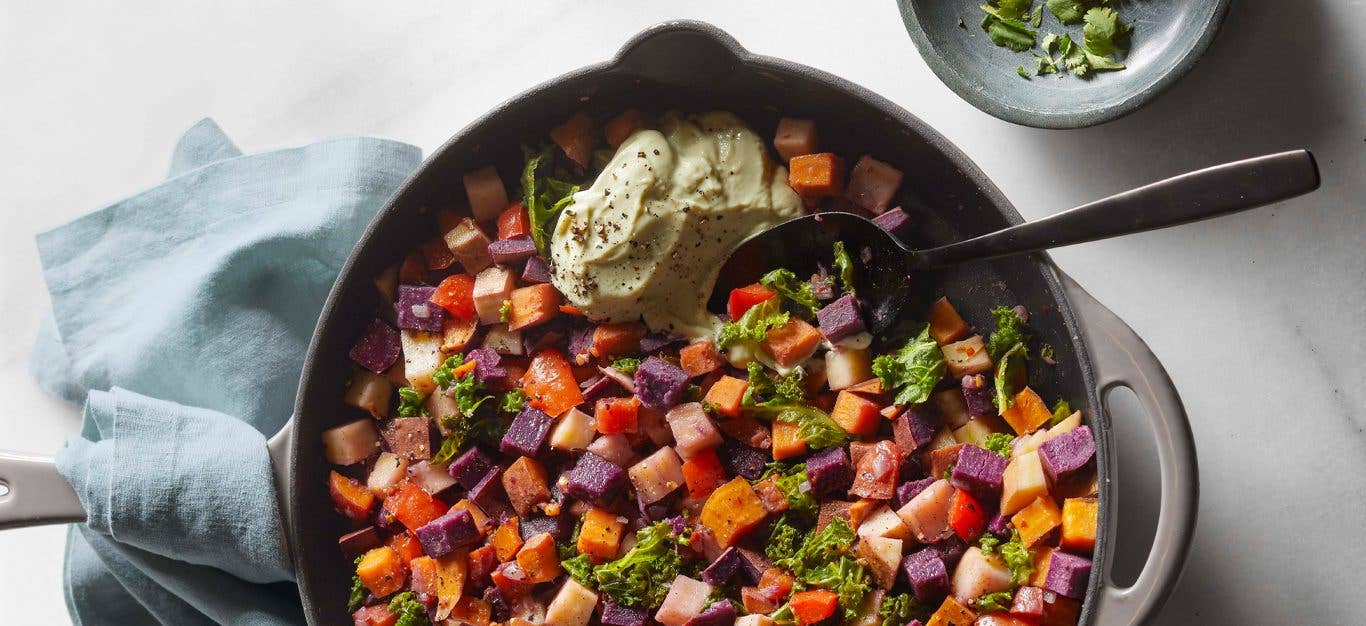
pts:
[883, 556]
[1022, 482]
[492, 288]
[657, 475]
[651, 421]
[486, 193]
[369, 391]
[754, 620]
[927, 514]
[968, 356]
[1024, 444]
[504, 341]
[441, 404]
[614, 448]
[846, 367]
[469, 245]
[873, 184]
[952, 407]
[1066, 425]
[884, 522]
[692, 429]
[942, 439]
[977, 575]
[389, 469]
[572, 606]
[686, 600]
[421, 357]
[351, 442]
[574, 431]
[975, 431]
[795, 137]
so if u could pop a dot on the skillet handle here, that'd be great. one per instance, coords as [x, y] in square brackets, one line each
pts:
[1122, 359]
[279, 447]
[32, 493]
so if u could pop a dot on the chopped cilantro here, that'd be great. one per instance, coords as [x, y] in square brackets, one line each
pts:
[999, 443]
[1104, 33]
[409, 610]
[961, 23]
[626, 365]
[795, 290]
[1067, 11]
[914, 369]
[994, 602]
[844, 267]
[948, 471]
[1036, 18]
[1021, 71]
[1007, 32]
[410, 403]
[754, 325]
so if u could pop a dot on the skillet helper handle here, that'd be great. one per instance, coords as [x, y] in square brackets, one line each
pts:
[1191, 197]
[32, 493]
[1122, 359]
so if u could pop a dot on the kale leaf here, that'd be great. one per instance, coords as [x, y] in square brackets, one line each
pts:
[999, 443]
[543, 196]
[994, 602]
[626, 365]
[409, 610]
[1008, 371]
[1010, 330]
[900, 609]
[914, 369]
[410, 403]
[754, 325]
[796, 290]
[844, 267]
[789, 479]
[783, 400]
[358, 592]
[641, 577]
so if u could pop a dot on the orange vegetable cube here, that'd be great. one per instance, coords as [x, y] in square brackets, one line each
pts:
[814, 606]
[412, 506]
[381, 571]
[952, 613]
[946, 326]
[507, 540]
[1028, 412]
[405, 546]
[732, 510]
[423, 574]
[703, 473]
[539, 558]
[472, 610]
[778, 580]
[816, 175]
[725, 395]
[533, 306]
[613, 341]
[550, 385]
[600, 535]
[351, 498]
[514, 222]
[575, 137]
[617, 415]
[1037, 520]
[525, 484]
[787, 443]
[1079, 524]
[793, 342]
[870, 387]
[856, 414]
[700, 358]
[619, 128]
[457, 334]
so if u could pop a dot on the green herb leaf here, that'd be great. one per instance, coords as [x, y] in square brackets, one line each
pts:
[754, 325]
[410, 403]
[773, 391]
[844, 267]
[1036, 18]
[825, 560]
[580, 569]
[641, 577]
[1007, 32]
[914, 369]
[626, 365]
[358, 592]
[410, 611]
[988, 543]
[1104, 33]
[796, 290]
[999, 443]
[543, 197]
[444, 376]
[782, 399]
[1009, 370]
[900, 609]
[1019, 69]
[1067, 11]
[994, 602]
[505, 312]
[789, 479]
[1018, 558]
[1011, 9]
[513, 402]
[783, 541]
[1010, 330]
[1061, 411]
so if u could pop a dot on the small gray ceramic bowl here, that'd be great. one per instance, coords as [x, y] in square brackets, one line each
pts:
[1169, 36]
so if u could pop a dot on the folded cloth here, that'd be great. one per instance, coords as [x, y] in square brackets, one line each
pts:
[180, 317]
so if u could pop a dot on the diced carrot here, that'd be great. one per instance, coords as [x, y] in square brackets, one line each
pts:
[482, 561]
[967, 518]
[514, 222]
[437, 255]
[816, 175]
[533, 306]
[787, 443]
[612, 341]
[732, 510]
[793, 342]
[549, 383]
[814, 606]
[856, 414]
[413, 269]
[472, 610]
[945, 324]
[726, 394]
[703, 473]
[1028, 412]
[351, 498]
[600, 535]
[412, 506]
[569, 309]
[377, 615]
[575, 137]
[779, 580]
[456, 295]
[539, 558]
[406, 546]
[743, 298]
[619, 129]
[700, 358]
[1037, 520]
[507, 540]
[1079, 524]
[617, 415]
[952, 613]
[381, 571]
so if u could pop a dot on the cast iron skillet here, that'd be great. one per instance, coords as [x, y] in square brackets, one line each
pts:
[694, 66]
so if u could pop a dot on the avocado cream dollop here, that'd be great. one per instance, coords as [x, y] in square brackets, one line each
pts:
[648, 238]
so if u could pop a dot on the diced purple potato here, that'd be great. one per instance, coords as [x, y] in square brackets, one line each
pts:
[599, 387]
[471, 467]
[660, 383]
[911, 489]
[977, 395]
[414, 311]
[913, 429]
[378, 349]
[487, 486]
[487, 365]
[950, 549]
[693, 431]
[722, 613]
[1068, 454]
[741, 460]
[654, 342]
[448, 533]
[510, 251]
[596, 480]
[536, 270]
[660, 510]
[927, 575]
[549, 334]
[872, 184]
[730, 564]
[527, 433]
[895, 221]
[1067, 575]
[979, 472]
[841, 318]
[829, 472]
[615, 448]
[356, 543]
[912, 467]
[614, 614]
[431, 478]
[499, 611]
[999, 525]
[557, 527]
[580, 342]
[351, 442]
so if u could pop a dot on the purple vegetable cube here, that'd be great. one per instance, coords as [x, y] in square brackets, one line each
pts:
[979, 472]
[354, 544]
[445, 534]
[536, 270]
[378, 348]
[654, 342]
[556, 527]
[415, 312]
[730, 564]
[913, 429]
[659, 510]
[510, 251]
[977, 395]
[471, 467]
[599, 387]
[614, 614]
[1067, 574]
[911, 467]
[551, 333]
[841, 318]
[911, 489]
[927, 574]
[829, 472]
[527, 433]
[722, 613]
[488, 485]
[487, 365]
[742, 460]
[596, 480]
[950, 550]
[659, 383]
[894, 221]
[499, 610]
[999, 525]
[1067, 454]
[580, 341]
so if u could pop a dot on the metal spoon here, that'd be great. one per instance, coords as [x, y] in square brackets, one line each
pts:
[887, 264]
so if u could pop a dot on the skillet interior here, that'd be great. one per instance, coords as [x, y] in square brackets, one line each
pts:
[692, 67]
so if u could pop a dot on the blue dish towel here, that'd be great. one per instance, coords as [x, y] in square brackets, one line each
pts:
[180, 317]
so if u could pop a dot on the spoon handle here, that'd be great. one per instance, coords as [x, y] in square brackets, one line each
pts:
[1191, 197]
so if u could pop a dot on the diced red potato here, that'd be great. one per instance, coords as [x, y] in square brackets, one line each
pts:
[872, 184]
[369, 391]
[795, 137]
[884, 522]
[1023, 482]
[754, 620]
[614, 448]
[503, 341]
[876, 472]
[492, 288]
[388, 471]
[968, 356]
[927, 514]
[575, 138]
[846, 367]
[486, 193]
[686, 599]
[693, 431]
[952, 408]
[883, 556]
[574, 432]
[619, 128]
[979, 574]
[350, 443]
[572, 606]
[421, 357]
[525, 484]
[943, 459]
[657, 475]
[469, 244]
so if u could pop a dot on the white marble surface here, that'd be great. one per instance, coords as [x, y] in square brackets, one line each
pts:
[1257, 316]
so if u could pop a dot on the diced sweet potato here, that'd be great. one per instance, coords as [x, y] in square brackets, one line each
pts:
[787, 442]
[550, 385]
[795, 137]
[793, 342]
[382, 571]
[703, 473]
[412, 506]
[1079, 524]
[539, 559]
[457, 335]
[945, 324]
[600, 536]
[952, 613]
[816, 175]
[507, 540]
[486, 193]
[619, 128]
[533, 305]
[873, 184]
[731, 511]
[350, 497]
[700, 358]
[968, 356]
[575, 138]
[725, 395]
[1037, 520]
[514, 222]
[856, 414]
[525, 484]
[612, 341]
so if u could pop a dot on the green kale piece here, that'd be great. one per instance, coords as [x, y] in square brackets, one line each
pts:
[999, 443]
[641, 577]
[789, 479]
[410, 403]
[754, 325]
[844, 267]
[409, 610]
[626, 365]
[998, 602]
[914, 370]
[797, 291]
[1008, 370]
[1010, 330]
[543, 196]
[1061, 411]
